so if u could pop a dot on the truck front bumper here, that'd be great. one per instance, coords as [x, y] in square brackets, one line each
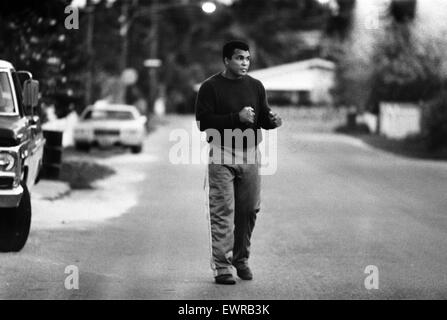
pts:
[11, 198]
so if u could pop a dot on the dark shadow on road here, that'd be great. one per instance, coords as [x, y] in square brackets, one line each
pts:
[96, 152]
[80, 174]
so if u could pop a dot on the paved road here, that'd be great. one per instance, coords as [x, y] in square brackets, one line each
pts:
[334, 207]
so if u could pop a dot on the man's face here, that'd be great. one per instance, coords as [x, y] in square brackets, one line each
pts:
[239, 63]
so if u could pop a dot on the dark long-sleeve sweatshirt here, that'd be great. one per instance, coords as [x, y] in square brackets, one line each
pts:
[220, 100]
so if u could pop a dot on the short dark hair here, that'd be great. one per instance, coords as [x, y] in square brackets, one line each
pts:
[230, 46]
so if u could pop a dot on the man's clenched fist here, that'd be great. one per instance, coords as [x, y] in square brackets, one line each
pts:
[247, 115]
[275, 119]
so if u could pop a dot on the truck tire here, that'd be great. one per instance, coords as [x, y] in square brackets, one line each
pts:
[15, 224]
[82, 146]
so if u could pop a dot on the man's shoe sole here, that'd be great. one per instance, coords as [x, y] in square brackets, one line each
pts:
[225, 279]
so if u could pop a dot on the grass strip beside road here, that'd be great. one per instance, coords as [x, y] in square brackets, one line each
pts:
[81, 174]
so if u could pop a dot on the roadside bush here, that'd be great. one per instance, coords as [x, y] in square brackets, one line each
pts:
[405, 69]
[434, 123]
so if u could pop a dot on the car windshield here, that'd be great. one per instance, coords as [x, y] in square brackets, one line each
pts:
[6, 96]
[109, 115]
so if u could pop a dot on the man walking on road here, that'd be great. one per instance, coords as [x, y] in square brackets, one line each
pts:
[233, 101]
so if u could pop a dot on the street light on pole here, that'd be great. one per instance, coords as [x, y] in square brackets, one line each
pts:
[154, 62]
[126, 20]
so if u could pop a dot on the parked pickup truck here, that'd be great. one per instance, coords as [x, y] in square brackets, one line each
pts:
[21, 152]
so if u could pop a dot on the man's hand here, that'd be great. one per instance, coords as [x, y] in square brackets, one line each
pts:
[275, 119]
[247, 115]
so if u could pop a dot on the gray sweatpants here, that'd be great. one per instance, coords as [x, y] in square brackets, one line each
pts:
[233, 200]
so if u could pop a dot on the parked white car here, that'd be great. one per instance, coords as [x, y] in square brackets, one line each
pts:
[107, 125]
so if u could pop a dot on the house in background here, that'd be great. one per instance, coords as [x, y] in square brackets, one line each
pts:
[307, 82]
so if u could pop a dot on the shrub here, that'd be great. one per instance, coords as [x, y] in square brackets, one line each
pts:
[82, 174]
[434, 123]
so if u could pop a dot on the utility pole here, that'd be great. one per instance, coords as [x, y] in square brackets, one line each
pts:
[89, 46]
[124, 32]
[153, 53]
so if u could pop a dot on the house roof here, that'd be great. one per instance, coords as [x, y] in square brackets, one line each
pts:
[293, 76]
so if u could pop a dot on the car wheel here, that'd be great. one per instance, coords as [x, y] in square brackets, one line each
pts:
[15, 224]
[81, 146]
[136, 149]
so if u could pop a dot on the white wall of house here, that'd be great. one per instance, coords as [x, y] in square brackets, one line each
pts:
[398, 121]
[323, 82]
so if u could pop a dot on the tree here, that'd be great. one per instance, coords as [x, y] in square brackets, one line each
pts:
[405, 68]
[33, 37]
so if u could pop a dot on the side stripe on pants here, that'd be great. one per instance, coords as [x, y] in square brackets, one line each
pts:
[206, 188]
